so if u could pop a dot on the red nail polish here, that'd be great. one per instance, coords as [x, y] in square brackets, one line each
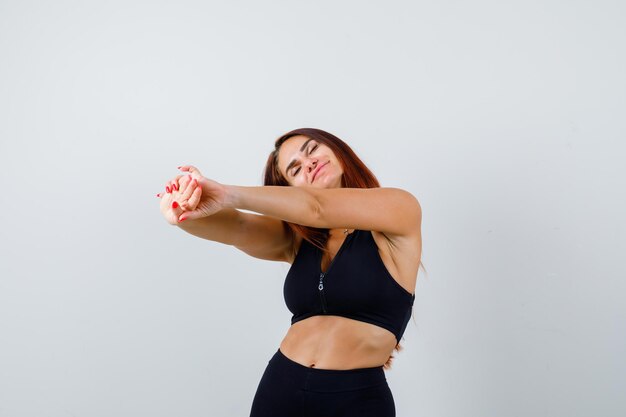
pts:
[183, 219]
[168, 189]
[174, 204]
[175, 186]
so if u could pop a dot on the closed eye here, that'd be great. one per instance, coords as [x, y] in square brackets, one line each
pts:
[311, 149]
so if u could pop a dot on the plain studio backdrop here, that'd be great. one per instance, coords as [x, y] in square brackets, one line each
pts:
[505, 120]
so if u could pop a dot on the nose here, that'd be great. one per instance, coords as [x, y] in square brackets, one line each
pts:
[311, 164]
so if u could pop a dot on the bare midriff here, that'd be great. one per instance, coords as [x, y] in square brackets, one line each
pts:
[335, 342]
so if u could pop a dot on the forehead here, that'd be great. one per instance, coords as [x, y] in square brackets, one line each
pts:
[290, 150]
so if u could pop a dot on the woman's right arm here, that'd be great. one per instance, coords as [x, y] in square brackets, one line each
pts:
[257, 235]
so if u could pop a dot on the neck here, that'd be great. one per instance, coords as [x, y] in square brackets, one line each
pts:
[339, 232]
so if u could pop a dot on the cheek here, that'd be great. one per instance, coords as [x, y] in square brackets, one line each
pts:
[291, 181]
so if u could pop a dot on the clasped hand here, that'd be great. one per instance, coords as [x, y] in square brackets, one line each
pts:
[191, 196]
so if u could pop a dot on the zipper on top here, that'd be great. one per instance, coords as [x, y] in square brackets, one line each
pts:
[320, 286]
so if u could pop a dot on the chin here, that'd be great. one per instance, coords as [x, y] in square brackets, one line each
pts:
[328, 181]
[335, 183]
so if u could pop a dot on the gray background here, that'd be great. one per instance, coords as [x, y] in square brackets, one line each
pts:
[505, 119]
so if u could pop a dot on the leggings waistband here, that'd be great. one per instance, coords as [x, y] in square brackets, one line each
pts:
[326, 380]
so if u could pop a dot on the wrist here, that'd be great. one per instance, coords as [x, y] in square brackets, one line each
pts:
[230, 196]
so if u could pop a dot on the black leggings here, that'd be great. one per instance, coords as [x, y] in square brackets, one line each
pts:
[289, 389]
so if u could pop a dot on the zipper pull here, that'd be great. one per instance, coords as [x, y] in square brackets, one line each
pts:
[321, 286]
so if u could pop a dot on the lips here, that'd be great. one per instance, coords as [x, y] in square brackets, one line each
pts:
[318, 170]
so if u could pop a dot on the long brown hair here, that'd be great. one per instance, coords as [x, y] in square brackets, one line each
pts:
[355, 175]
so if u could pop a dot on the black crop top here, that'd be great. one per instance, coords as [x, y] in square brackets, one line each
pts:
[357, 285]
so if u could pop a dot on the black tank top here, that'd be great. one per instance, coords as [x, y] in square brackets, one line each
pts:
[356, 285]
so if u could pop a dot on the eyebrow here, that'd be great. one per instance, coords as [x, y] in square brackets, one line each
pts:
[293, 161]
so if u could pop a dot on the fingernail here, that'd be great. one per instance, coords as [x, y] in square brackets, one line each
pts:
[159, 195]
[182, 220]
[168, 189]
[179, 167]
[174, 204]
[175, 186]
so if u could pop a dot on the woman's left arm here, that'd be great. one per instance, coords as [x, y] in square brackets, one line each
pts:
[389, 210]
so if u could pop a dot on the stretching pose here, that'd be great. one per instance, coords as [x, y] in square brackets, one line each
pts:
[354, 249]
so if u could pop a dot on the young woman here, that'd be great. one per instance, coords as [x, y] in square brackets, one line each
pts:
[354, 250]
